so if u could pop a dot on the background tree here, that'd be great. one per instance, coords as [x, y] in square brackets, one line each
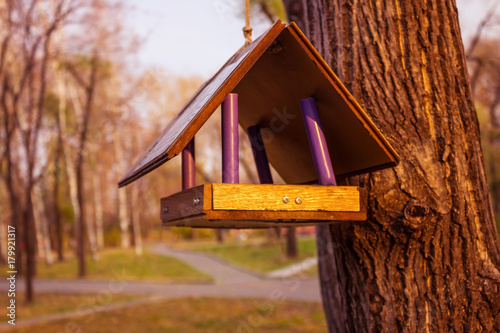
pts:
[23, 71]
[428, 256]
[486, 68]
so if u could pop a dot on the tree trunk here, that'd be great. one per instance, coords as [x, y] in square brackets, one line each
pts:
[42, 225]
[81, 220]
[14, 197]
[427, 259]
[136, 225]
[123, 212]
[494, 147]
[56, 211]
[29, 242]
[3, 239]
[98, 214]
[220, 235]
[91, 234]
[57, 177]
[291, 243]
[72, 171]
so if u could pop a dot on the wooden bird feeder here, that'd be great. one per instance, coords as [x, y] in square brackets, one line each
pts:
[297, 115]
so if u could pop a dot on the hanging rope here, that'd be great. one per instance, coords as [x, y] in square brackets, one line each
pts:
[247, 30]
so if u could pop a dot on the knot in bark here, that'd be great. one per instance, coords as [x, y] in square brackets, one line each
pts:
[416, 215]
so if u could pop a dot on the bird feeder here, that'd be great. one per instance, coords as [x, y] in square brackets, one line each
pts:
[299, 118]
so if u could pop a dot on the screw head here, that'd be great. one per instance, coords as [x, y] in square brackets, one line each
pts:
[196, 201]
[298, 200]
[286, 199]
[164, 209]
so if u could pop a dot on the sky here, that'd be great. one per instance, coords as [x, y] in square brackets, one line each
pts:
[196, 37]
[191, 37]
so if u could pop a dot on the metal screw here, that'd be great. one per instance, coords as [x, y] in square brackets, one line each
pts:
[298, 201]
[165, 209]
[286, 199]
[196, 201]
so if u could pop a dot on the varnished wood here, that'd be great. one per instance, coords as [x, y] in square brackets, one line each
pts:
[270, 197]
[201, 222]
[181, 204]
[226, 206]
[283, 64]
[275, 216]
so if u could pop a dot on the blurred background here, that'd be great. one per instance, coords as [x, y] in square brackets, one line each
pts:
[86, 86]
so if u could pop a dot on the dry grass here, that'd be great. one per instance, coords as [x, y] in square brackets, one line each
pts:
[199, 315]
[148, 267]
[57, 303]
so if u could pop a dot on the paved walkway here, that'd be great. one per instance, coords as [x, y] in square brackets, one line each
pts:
[293, 269]
[222, 271]
[289, 289]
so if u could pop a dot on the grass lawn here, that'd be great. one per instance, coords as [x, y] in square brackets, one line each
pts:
[258, 256]
[199, 315]
[56, 303]
[124, 264]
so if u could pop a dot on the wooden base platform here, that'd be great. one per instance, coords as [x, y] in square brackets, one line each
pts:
[263, 206]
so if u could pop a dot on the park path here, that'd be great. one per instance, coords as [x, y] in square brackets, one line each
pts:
[230, 282]
[221, 271]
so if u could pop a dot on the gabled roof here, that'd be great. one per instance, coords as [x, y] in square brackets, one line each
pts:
[270, 76]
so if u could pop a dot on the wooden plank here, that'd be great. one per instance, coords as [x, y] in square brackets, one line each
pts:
[270, 197]
[276, 216]
[183, 204]
[200, 222]
[183, 212]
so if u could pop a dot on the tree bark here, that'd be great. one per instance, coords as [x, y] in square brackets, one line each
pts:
[427, 258]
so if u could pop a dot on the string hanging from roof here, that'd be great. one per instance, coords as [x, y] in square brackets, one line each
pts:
[247, 30]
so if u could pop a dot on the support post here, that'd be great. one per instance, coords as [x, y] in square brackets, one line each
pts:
[230, 141]
[259, 155]
[261, 161]
[317, 142]
[188, 166]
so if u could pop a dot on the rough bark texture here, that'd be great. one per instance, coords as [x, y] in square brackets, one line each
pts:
[427, 259]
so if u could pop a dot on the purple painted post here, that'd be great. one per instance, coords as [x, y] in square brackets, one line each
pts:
[230, 141]
[317, 141]
[259, 155]
[188, 166]
[260, 158]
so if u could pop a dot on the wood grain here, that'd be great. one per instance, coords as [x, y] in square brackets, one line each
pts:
[201, 222]
[182, 205]
[223, 206]
[270, 197]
